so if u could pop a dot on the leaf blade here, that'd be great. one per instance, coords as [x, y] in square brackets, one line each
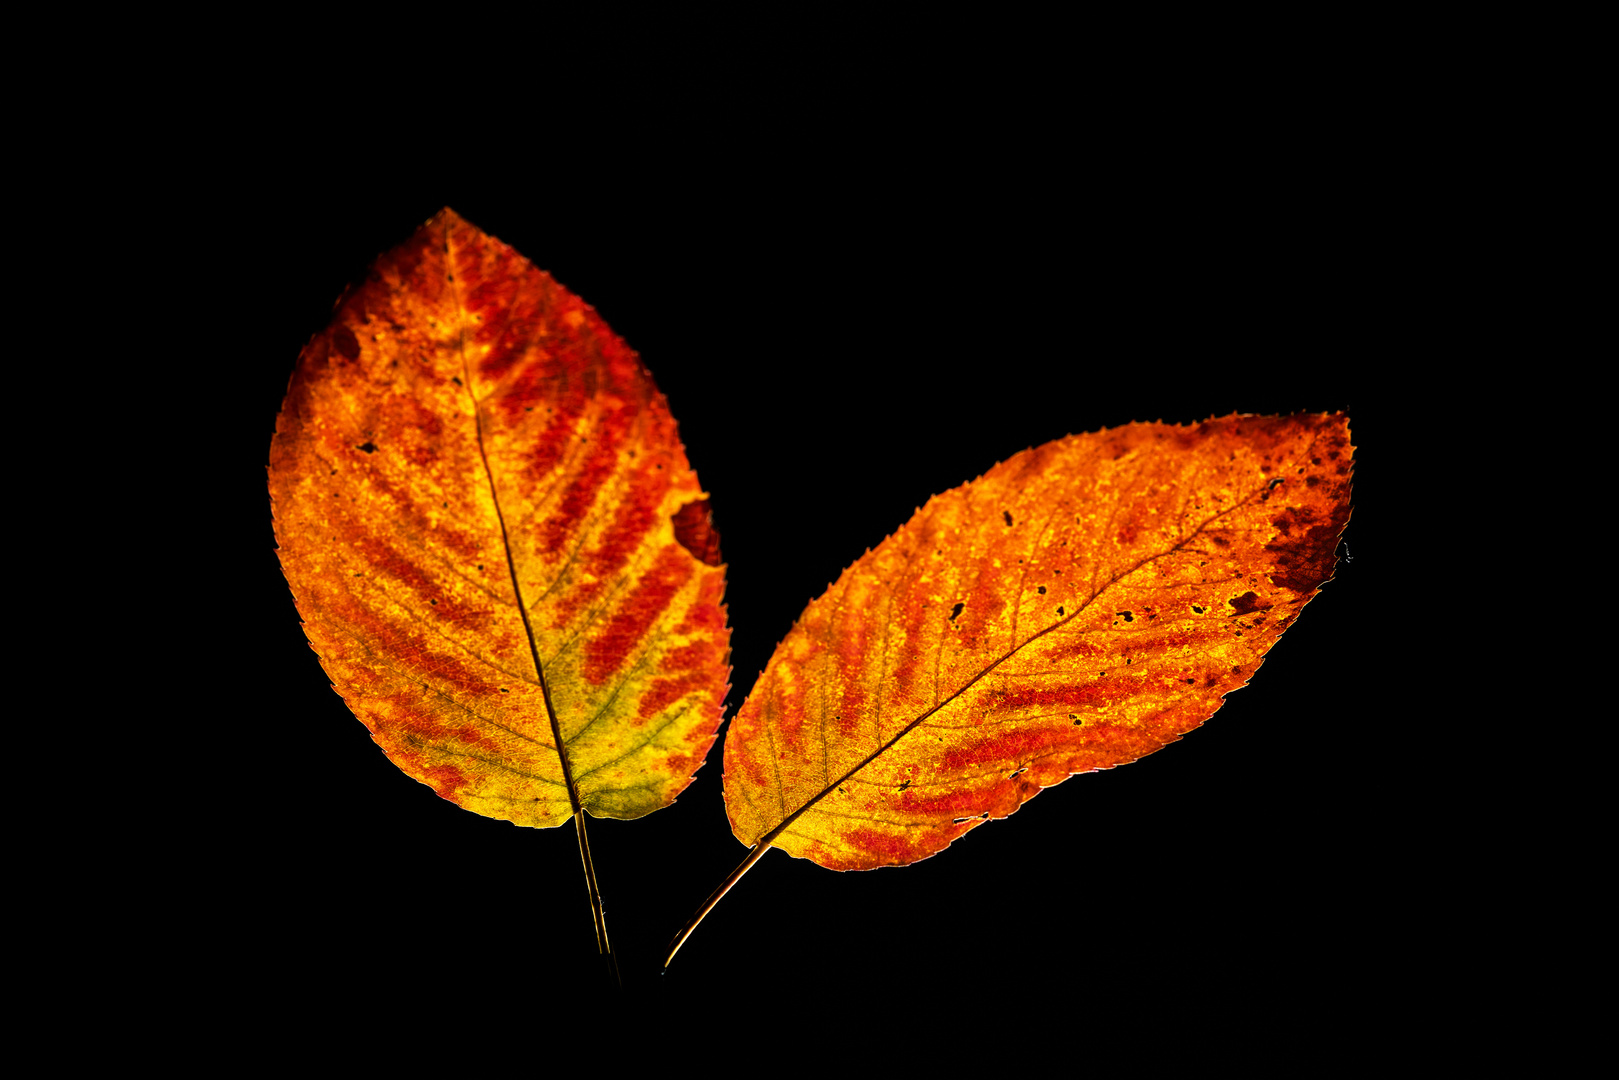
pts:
[479, 496]
[1009, 635]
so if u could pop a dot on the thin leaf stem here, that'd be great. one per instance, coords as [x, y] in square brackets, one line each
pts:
[714, 898]
[598, 913]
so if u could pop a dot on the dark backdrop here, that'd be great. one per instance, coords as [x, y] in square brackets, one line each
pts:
[840, 337]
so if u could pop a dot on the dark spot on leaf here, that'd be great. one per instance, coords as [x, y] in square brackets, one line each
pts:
[956, 611]
[1006, 515]
[1042, 590]
[344, 341]
[1197, 609]
[369, 447]
[1247, 603]
[433, 602]
[1126, 616]
[1059, 610]
[905, 785]
[1305, 546]
[694, 529]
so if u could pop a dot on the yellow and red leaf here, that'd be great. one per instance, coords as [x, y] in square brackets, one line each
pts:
[495, 541]
[1082, 604]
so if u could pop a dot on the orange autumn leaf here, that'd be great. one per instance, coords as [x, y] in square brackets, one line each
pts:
[497, 546]
[1081, 605]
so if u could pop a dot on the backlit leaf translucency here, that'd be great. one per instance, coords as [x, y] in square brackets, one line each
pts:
[1082, 604]
[495, 541]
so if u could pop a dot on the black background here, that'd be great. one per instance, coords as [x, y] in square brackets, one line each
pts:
[843, 330]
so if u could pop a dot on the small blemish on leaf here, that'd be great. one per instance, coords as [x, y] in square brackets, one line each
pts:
[956, 611]
[1006, 515]
[1245, 604]
[344, 341]
[368, 447]
[694, 531]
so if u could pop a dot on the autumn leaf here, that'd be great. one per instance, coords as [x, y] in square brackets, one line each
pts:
[1079, 606]
[495, 541]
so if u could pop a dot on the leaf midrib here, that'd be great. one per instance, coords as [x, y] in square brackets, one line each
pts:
[505, 539]
[769, 837]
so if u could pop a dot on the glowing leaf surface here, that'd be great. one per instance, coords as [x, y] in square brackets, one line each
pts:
[495, 541]
[1082, 604]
